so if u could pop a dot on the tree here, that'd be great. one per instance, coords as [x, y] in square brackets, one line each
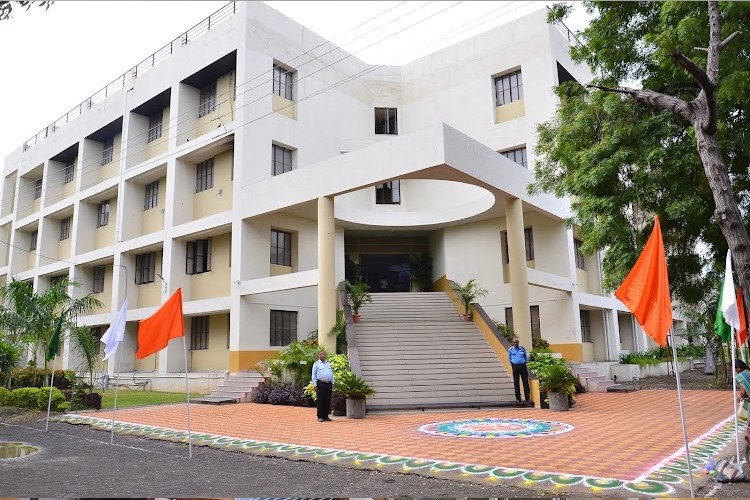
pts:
[678, 147]
[6, 7]
[88, 345]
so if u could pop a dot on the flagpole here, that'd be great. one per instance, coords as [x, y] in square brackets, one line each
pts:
[187, 394]
[51, 385]
[117, 390]
[682, 415]
[734, 396]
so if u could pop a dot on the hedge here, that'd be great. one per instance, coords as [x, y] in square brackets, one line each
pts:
[34, 398]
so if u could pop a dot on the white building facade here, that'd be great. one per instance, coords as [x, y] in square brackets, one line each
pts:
[252, 136]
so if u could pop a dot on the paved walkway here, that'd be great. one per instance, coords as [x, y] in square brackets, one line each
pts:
[606, 441]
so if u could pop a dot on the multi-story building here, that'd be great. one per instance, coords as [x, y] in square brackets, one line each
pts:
[251, 136]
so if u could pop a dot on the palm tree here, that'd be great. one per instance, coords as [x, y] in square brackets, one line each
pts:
[88, 346]
[467, 293]
[15, 306]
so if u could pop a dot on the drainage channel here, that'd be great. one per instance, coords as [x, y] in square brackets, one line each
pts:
[16, 450]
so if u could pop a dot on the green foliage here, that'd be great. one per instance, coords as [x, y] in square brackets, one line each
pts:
[339, 331]
[294, 363]
[640, 359]
[34, 377]
[558, 378]
[658, 355]
[129, 399]
[541, 363]
[9, 357]
[88, 346]
[339, 365]
[467, 293]
[357, 294]
[540, 345]
[352, 386]
[25, 397]
[505, 330]
[420, 265]
[58, 399]
[3, 394]
[622, 162]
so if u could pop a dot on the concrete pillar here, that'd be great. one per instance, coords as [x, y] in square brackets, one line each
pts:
[519, 280]
[326, 274]
[612, 331]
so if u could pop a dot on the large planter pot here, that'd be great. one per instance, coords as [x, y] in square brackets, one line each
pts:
[558, 401]
[355, 318]
[355, 407]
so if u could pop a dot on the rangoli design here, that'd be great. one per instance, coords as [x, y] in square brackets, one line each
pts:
[502, 428]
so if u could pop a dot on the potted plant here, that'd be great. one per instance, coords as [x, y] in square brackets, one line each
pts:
[355, 390]
[467, 293]
[357, 294]
[559, 383]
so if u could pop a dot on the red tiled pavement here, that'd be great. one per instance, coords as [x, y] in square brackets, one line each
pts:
[615, 435]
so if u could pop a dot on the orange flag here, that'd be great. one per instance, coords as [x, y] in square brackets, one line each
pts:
[645, 291]
[155, 332]
[742, 333]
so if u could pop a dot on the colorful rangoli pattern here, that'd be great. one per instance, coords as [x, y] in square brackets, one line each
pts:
[496, 428]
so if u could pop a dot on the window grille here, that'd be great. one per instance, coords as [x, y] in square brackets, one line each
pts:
[154, 126]
[145, 268]
[108, 150]
[517, 155]
[283, 327]
[281, 248]
[281, 160]
[283, 82]
[207, 101]
[98, 279]
[65, 228]
[204, 175]
[152, 195]
[199, 333]
[198, 258]
[102, 218]
[508, 88]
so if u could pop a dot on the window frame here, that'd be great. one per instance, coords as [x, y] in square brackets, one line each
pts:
[579, 257]
[512, 155]
[98, 284]
[65, 225]
[283, 82]
[528, 243]
[509, 87]
[281, 254]
[283, 327]
[102, 214]
[145, 268]
[388, 193]
[38, 188]
[536, 324]
[207, 100]
[200, 331]
[152, 195]
[285, 153]
[69, 173]
[198, 256]
[389, 124]
[204, 175]
[33, 240]
[585, 317]
[108, 150]
[155, 123]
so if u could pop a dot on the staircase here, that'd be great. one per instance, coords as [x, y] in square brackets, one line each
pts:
[238, 388]
[592, 376]
[417, 352]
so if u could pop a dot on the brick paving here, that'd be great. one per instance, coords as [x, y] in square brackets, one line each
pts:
[620, 436]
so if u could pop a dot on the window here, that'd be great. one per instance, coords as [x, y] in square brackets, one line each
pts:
[198, 256]
[102, 218]
[38, 188]
[98, 279]
[536, 327]
[388, 193]
[154, 126]
[69, 172]
[281, 160]
[281, 248]
[283, 327]
[207, 100]
[282, 82]
[517, 155]
[204, 175]
[585, 327]
[34, 237]
[508, 88]
[199, 333]
[580, 264]
[109, 148]
[385, 121]
[65, 228]
[145, 268]
[152, 195]
[528, 237]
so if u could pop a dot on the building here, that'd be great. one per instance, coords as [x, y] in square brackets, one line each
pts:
[250, 136]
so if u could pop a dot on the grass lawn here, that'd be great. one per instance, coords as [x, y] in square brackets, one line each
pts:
[128, 398]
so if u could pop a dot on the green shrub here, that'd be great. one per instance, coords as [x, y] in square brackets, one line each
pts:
[3, 394]
[25, 397]
[34, 377]
[541, 364]
[539, 344]
[505, 330]
[58, 399]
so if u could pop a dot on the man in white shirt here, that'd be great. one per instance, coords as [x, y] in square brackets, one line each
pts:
[322, 379]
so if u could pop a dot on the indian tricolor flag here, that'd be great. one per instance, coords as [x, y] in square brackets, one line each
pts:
[727, 314]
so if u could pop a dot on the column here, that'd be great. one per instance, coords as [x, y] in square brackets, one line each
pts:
[326, 274]
[519, 280]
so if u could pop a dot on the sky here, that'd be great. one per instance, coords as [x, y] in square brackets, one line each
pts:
[56, 58]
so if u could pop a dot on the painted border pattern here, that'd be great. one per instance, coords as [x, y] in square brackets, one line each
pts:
[661, 479]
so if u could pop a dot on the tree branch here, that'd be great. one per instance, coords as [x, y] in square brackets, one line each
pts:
[654, 99]
[695, 71]
[728, 40]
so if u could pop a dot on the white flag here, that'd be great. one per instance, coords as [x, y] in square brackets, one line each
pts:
[115, 333]
[728, 297]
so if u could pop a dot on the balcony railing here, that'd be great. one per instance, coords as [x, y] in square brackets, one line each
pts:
[567, 33]
[142, 67]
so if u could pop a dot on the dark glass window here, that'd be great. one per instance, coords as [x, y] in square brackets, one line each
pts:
[198, 258]
[585, 327]
[580, 263]
[154, 126]
[65, 228]
[536, 326]
[386, 121]
[508, 88]
[145, 268]
[528, 237]
[102, 218]
[98, 279]
[281, 160]
[204, 175]
[283, 327]
[281, 248]
[152, 195]
[108, 150]
[207, 101]
[199, 333]
[388, 193]
[282, 82]
[517, 155]
[34, 237]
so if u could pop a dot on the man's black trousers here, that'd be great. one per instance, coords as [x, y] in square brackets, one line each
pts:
[324, 398]
[518, 371]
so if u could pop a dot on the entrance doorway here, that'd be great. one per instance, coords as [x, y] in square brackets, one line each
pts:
[386, 272]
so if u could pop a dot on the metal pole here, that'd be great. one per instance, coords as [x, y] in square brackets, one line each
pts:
[119, 357]
[682, 416]
[187, 394]
[51, 385]
[734, 395]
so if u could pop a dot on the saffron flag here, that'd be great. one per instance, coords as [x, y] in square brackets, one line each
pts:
[645, 290]
[742, 333]
[54, 341]
[155, 332]
[115, 333]
[727, 316]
